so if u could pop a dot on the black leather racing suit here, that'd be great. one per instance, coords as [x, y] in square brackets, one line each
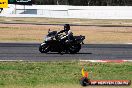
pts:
[68, 36]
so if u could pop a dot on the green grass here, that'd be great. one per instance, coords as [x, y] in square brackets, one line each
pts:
[33, 74]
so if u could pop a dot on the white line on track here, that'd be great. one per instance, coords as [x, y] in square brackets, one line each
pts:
[106, 61]
[101, 61]
[10, 60]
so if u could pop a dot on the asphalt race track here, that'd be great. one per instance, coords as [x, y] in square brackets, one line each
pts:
[29, 52]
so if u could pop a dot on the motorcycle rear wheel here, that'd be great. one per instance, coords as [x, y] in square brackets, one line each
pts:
[74, 48]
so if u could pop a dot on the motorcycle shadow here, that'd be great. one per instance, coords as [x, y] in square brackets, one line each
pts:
[67, 53]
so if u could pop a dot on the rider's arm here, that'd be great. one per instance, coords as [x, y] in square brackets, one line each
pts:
[64, 37]
[61, 31]
[67, 35]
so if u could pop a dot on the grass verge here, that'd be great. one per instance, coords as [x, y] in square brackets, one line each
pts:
[59, 74]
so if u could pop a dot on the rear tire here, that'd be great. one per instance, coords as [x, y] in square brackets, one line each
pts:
[44, 48]
[74, 48]
[78, 47]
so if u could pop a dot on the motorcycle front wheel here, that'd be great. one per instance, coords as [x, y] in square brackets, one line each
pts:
[44, 48]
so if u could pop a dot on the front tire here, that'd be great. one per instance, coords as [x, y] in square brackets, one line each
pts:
[44, 48]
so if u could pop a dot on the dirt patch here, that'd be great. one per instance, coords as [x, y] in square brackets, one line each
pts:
[124, 22]
[35, 33]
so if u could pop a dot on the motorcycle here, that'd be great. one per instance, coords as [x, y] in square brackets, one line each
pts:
[53, 43]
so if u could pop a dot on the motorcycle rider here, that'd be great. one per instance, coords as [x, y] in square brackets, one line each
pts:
[67, 38]
[68, 32]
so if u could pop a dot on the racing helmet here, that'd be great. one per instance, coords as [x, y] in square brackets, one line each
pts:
[67, 27]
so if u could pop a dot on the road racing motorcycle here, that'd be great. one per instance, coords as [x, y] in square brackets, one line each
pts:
[53, 43]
